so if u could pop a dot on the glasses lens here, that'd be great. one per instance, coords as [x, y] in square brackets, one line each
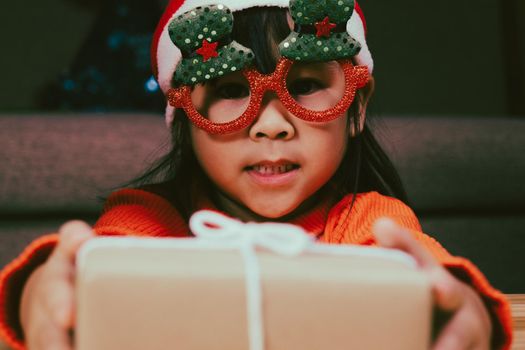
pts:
[223, 99]
[316, 86]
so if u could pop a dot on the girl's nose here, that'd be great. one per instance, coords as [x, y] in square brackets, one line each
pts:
[272, 122]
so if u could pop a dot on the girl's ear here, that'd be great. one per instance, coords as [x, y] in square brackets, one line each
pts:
[363, 96]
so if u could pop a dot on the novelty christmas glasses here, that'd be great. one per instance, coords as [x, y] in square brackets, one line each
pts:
[221, 92]
[314, 92]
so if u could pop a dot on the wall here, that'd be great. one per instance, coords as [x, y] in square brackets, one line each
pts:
[439, 57]
[39, 40]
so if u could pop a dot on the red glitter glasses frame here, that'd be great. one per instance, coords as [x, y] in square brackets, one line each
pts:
[356, 77]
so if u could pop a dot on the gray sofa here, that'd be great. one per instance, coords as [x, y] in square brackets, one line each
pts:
[464, 176]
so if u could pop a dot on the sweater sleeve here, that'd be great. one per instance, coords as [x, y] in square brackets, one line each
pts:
[495, 301]
[12, 280]
[357, 229]
[126, 212]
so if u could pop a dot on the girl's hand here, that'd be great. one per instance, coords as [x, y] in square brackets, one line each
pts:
[469, 325]
[47, 310]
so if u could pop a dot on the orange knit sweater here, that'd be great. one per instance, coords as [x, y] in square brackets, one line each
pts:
[140, 213]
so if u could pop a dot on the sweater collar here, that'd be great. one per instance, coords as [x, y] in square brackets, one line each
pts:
[313, 221]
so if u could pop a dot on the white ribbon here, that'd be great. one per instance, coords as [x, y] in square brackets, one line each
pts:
[284, 239]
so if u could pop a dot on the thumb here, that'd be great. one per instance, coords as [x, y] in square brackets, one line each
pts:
[446, 289]
[390, 235]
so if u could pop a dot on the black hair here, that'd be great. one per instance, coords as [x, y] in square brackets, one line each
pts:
[365, 166]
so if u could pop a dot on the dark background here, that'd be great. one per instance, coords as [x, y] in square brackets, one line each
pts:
[439, 57]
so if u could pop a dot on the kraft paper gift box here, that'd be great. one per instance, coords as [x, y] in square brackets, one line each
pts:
[146, 293]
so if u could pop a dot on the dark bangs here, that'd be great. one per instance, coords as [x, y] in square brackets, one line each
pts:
[261, 30]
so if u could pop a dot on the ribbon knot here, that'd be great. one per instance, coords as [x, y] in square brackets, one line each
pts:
[284, 239]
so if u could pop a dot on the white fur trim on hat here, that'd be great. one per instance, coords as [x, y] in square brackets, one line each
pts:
[170, 115]
[356, 29]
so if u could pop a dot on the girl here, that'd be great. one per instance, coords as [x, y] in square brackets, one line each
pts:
[267, 104]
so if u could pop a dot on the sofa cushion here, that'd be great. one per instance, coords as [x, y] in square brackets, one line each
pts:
[469, 165]
[63, 163]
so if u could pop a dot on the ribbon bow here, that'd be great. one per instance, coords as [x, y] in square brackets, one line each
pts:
[284, 239]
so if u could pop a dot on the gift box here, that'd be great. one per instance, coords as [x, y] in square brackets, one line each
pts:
[195, 293]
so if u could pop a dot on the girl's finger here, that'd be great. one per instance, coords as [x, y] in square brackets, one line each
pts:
[446, 290]
[59, 302]
[52, 338]
[44, 334]
[459, 333]
[448, 294]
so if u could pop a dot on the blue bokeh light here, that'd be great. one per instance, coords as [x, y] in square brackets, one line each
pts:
[151, 85]
[68, 85]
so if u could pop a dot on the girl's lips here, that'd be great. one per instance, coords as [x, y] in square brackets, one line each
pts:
[273, 175]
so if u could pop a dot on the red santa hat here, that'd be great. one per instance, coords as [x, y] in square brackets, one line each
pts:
[165, 56]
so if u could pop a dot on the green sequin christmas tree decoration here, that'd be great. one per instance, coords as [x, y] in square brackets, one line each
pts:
[320, 33]
[204, 37]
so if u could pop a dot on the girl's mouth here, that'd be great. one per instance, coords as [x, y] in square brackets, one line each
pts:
[269, 170]
[273, 174]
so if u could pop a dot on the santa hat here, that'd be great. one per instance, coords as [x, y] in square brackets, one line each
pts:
[166, 56]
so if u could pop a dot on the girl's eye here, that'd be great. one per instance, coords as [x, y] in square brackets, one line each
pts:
[304, 86]
[232, 91]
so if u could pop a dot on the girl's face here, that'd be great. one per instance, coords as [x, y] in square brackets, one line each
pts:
[279, 161]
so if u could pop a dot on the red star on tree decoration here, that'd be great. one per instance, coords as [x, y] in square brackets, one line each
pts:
[208, 50]
[324, 27]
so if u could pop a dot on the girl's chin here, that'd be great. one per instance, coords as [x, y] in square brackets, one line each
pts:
[273, 215]
[267, 213]
[264, 210]
[260, 211]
